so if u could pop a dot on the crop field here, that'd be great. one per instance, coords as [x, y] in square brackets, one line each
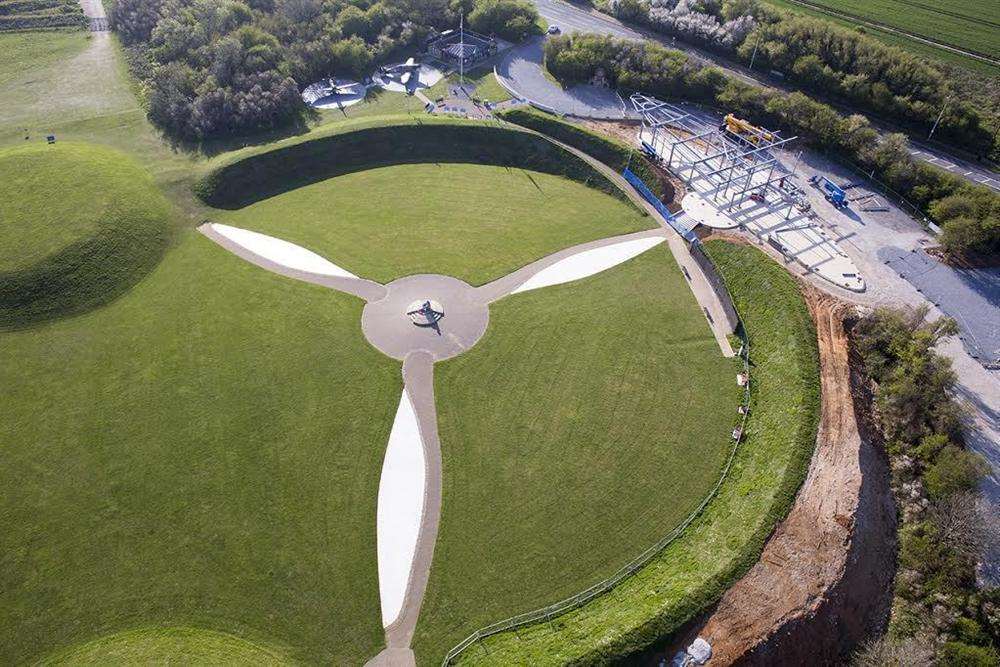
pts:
[35, 14]
[967, 25]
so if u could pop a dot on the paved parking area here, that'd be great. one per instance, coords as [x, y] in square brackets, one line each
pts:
[971, 296]
[522, 70]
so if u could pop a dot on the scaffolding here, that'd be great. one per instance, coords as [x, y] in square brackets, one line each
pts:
[735, 166]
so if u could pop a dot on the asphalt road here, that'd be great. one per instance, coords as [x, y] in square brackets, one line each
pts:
[571, 18]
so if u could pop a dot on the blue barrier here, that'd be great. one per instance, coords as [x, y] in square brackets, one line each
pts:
[647, 194]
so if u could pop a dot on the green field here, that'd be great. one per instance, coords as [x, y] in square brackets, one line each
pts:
[473, 222]
[694, 570]
[203, 452]
[968, 25]
[564, 432]
[192, 445]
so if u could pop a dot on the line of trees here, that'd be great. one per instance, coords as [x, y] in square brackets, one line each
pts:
[940, 614]
[828, 59]
[969, 215]
[211, 68]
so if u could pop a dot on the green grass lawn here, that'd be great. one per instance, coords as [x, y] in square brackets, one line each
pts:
[694, 570]
[590, 421]
[79, 225]
[473, 222]
[481, 80]
[202, 453]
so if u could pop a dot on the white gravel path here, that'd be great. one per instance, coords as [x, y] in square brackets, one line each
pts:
[400, 508]
[588, 262]
[281, 252]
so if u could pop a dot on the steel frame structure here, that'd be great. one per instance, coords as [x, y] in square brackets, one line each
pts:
[729, 162]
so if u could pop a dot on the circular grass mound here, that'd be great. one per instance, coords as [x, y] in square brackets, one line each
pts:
[81, 225]
[162, 646]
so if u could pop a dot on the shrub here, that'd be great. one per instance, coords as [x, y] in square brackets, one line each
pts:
[957, 654]
[954, 470]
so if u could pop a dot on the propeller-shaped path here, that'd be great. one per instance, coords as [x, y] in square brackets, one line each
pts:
[409, 497]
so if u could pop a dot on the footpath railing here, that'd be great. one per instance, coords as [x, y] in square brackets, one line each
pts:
[686, 232]
[637, 563]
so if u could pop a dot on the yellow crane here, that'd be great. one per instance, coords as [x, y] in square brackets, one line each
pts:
[752, 133]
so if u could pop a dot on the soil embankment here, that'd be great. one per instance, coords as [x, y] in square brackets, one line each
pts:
[823, 582]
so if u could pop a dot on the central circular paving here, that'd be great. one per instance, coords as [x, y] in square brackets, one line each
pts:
[437, 314]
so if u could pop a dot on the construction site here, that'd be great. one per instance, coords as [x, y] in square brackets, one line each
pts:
[735, 179]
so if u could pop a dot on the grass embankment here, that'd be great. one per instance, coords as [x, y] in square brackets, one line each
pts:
[562, 432]
[473, 222]
[81, 225]
[609, 151]
[725, 541]
[203, 453]
[168, 646]
[264, 174]
[40, 14]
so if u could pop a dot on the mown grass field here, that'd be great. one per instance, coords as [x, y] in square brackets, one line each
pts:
[590, 420]
[204, 452]
[694, 570]
[473, 222]
[968, 25]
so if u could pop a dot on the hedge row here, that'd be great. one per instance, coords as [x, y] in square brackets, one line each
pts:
[612, 153]
[273, 172]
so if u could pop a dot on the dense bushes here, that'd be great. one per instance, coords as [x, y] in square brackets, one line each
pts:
[831, 60]
[945, 527]
[610, 152]
[212, 69]
[969, 214]
[510, 19]
[272, 172]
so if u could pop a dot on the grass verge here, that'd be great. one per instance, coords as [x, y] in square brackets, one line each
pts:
[727, 538]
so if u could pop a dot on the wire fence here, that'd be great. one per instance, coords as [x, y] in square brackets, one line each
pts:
[548, 613]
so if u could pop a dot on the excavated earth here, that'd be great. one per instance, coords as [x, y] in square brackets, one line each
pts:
[824, 580]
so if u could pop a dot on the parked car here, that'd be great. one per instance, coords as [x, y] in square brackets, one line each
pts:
[554, 30]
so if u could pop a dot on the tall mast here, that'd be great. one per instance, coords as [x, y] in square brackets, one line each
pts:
[461, 52]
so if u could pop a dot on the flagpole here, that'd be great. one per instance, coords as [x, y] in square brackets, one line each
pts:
[461, 52]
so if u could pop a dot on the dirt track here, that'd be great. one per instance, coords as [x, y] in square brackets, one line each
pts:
[823, 582]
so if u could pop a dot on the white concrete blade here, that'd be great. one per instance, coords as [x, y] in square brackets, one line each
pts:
[400, 508]
[588, 262]
[281, 252]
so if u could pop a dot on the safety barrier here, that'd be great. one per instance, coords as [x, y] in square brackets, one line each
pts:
[686, 232]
